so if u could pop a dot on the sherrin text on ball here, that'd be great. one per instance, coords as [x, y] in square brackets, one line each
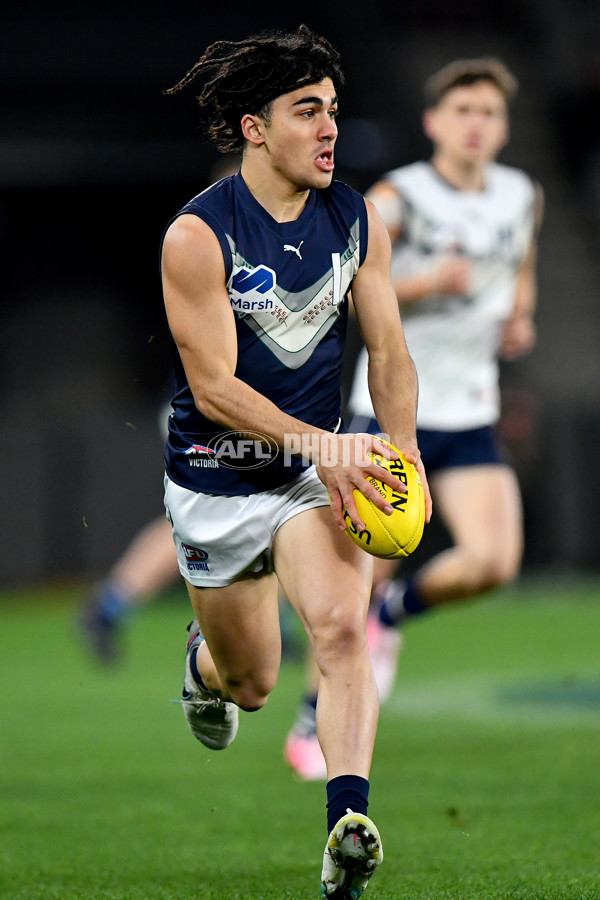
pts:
[396, 535]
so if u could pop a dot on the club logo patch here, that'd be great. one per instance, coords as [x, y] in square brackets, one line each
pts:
[195, 449]
[201, 456]
[196, 558]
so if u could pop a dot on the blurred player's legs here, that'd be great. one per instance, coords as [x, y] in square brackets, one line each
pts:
[302, 750]
[481, 507]
[148, 565]
[384, 643]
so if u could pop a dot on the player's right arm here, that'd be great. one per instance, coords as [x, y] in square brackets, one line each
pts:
[202, 323]
[447, 275]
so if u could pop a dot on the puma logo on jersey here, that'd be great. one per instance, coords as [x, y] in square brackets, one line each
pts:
[295, 250]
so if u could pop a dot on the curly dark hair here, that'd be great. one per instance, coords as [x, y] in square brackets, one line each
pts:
[249, 75]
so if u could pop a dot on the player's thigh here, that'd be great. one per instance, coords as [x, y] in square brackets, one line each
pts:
[241, 625]
[481, 507]
[326, 577]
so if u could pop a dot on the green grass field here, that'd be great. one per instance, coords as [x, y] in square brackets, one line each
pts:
[485, 781]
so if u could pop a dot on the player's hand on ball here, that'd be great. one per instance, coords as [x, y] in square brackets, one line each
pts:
[394, 534]
[347, 467]
[415, 459]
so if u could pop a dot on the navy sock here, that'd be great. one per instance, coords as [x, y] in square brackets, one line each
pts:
[343, 793]
[414, 603]
[112, 602]
[195, 673]
[311, 700]
[403, 599]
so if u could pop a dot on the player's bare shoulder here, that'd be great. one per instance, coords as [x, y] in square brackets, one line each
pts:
[511, 183]
[191, 247]
[388, 202]
[379, 238]
[186, 232]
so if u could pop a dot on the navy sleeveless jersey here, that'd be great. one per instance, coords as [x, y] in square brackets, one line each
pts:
[288, 284]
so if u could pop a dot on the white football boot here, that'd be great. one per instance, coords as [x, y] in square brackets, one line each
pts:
[214, 722]
[352, 853]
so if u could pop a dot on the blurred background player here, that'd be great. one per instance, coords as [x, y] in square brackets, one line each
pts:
[463, 229]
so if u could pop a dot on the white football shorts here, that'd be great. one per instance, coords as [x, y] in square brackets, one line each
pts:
[219, 538]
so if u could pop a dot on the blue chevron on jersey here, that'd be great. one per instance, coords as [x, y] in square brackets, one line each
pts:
[288, 285]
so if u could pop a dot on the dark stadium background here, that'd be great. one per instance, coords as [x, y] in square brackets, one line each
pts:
[93, 162]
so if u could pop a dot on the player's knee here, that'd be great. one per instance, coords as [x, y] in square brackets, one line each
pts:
[251, 693]
[494, 571]
[342, 634]
[505, 571]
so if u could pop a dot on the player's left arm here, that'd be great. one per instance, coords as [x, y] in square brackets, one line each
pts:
[391, 373]
[519, 333]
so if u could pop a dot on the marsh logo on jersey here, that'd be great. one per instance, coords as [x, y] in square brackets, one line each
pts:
[196, 559]
[250, 288]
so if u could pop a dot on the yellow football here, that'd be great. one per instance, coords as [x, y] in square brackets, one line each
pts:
[390, 537]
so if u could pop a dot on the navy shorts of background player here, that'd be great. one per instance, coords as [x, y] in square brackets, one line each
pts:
[446, 449]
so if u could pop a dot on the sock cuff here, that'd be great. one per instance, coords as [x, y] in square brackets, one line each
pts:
[346, 792]
[413, 600]
[401, 599]
[306, 716]
[310, 699]
[113, 601]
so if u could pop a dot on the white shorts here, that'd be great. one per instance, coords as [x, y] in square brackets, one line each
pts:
[220, 538]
